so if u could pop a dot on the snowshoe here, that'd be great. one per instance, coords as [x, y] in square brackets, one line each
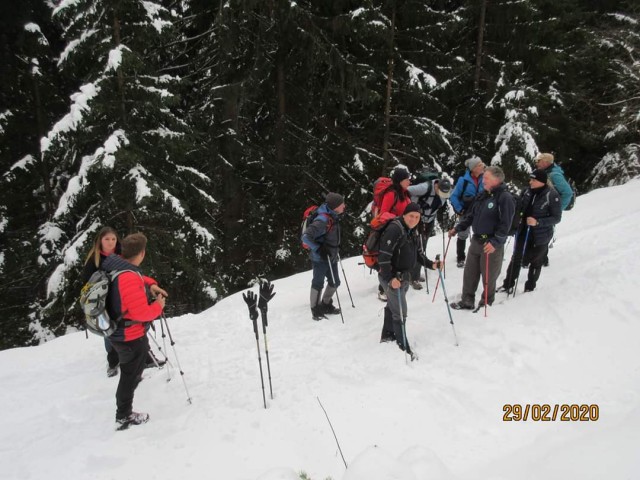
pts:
[317, 313]
[461, 306]
[329, 308]
[382, 296]
[460, 264]
[134, 418]
[416, 285]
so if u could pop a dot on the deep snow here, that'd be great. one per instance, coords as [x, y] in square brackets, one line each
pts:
[574, 340]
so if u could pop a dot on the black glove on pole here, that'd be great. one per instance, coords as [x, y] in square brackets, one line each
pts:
[266, 294]
[251, 301]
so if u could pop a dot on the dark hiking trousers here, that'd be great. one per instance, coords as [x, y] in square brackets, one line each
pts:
[475, 267]
[133, 356]
[112, 355]
[425, 231]
[534, 256]
[393, 319]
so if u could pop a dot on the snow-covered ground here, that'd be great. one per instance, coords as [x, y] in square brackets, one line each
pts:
[575, 340]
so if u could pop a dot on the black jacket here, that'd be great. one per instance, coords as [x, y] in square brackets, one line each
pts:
[400, 250]
[544, 205]
[490, 215]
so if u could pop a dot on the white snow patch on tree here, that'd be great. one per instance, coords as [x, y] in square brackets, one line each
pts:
[418, 77]
[357, 12]
[35, 28]
[80, 104]
[164, 132]
[115, 57]
[182, 168]
[75, 43]
[23, 164]
[143, 191]
[153, 13]
[283, 253]
[357, 162]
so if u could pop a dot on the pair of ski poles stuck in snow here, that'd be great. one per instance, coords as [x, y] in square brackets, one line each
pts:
[265, 294]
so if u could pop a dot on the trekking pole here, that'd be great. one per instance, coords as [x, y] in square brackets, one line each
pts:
[446, 300]
[333, 279]
[266, 294]
[175, 354]
[443, 263]
[165, 351]
[486, 283]
[444, 256]
[426, 277]
[403, 319]
[251, 301]
[344, 275]
[166, 359]
[524, 249]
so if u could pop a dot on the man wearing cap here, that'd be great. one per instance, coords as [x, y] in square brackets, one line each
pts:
[490, 217]
[323, 238]
[541, 209]
[399, 252]
[430, 196]
[468, 187]
[545, 161]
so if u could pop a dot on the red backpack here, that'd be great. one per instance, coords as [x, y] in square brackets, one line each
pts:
[380, 187]
[371, 247]
[308, 217]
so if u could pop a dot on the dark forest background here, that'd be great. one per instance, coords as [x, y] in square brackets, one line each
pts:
[211, 125]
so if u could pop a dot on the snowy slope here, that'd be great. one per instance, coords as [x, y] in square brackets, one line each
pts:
[574, 340]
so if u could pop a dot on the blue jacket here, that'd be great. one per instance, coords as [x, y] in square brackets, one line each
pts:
[559, 182]
[465, 192]
[323, 231]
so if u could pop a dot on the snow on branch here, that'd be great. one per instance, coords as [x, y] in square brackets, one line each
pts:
[115, 57]
[418, 77]
[73, 44]
[80, 104]
[202, 232]
[79, 182]
[153, 14]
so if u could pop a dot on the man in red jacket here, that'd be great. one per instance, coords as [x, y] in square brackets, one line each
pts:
[128, 300]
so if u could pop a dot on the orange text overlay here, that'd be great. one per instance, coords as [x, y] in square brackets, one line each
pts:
[550, 413]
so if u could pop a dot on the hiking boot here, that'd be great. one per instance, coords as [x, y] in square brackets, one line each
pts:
[528, 287]
[134, 418]
[150, 363]
[382, 296]
[460, 263]
[317, 313]
[387, 337]
[112, 371]
[507, 290]
[329, 308]
[416, 285]
[461, 306]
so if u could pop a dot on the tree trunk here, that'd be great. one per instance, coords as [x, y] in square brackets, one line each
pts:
[481, 27]
[119, 75]
[387, 107]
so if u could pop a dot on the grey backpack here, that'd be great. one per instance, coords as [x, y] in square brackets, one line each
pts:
[93, 299]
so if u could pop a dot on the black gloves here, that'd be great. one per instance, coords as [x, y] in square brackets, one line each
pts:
[266, 294]
[251, 299]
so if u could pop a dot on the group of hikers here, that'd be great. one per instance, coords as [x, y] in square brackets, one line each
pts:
[404, 219]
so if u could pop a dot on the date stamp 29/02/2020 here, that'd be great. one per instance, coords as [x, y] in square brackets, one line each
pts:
[544, 412]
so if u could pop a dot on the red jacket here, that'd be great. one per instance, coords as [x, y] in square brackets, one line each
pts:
[392, 203]
[128, 298]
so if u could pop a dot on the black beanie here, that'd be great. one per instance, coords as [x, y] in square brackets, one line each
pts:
[539, 175]
[334, 200]
[399, 174]
[412, 207]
